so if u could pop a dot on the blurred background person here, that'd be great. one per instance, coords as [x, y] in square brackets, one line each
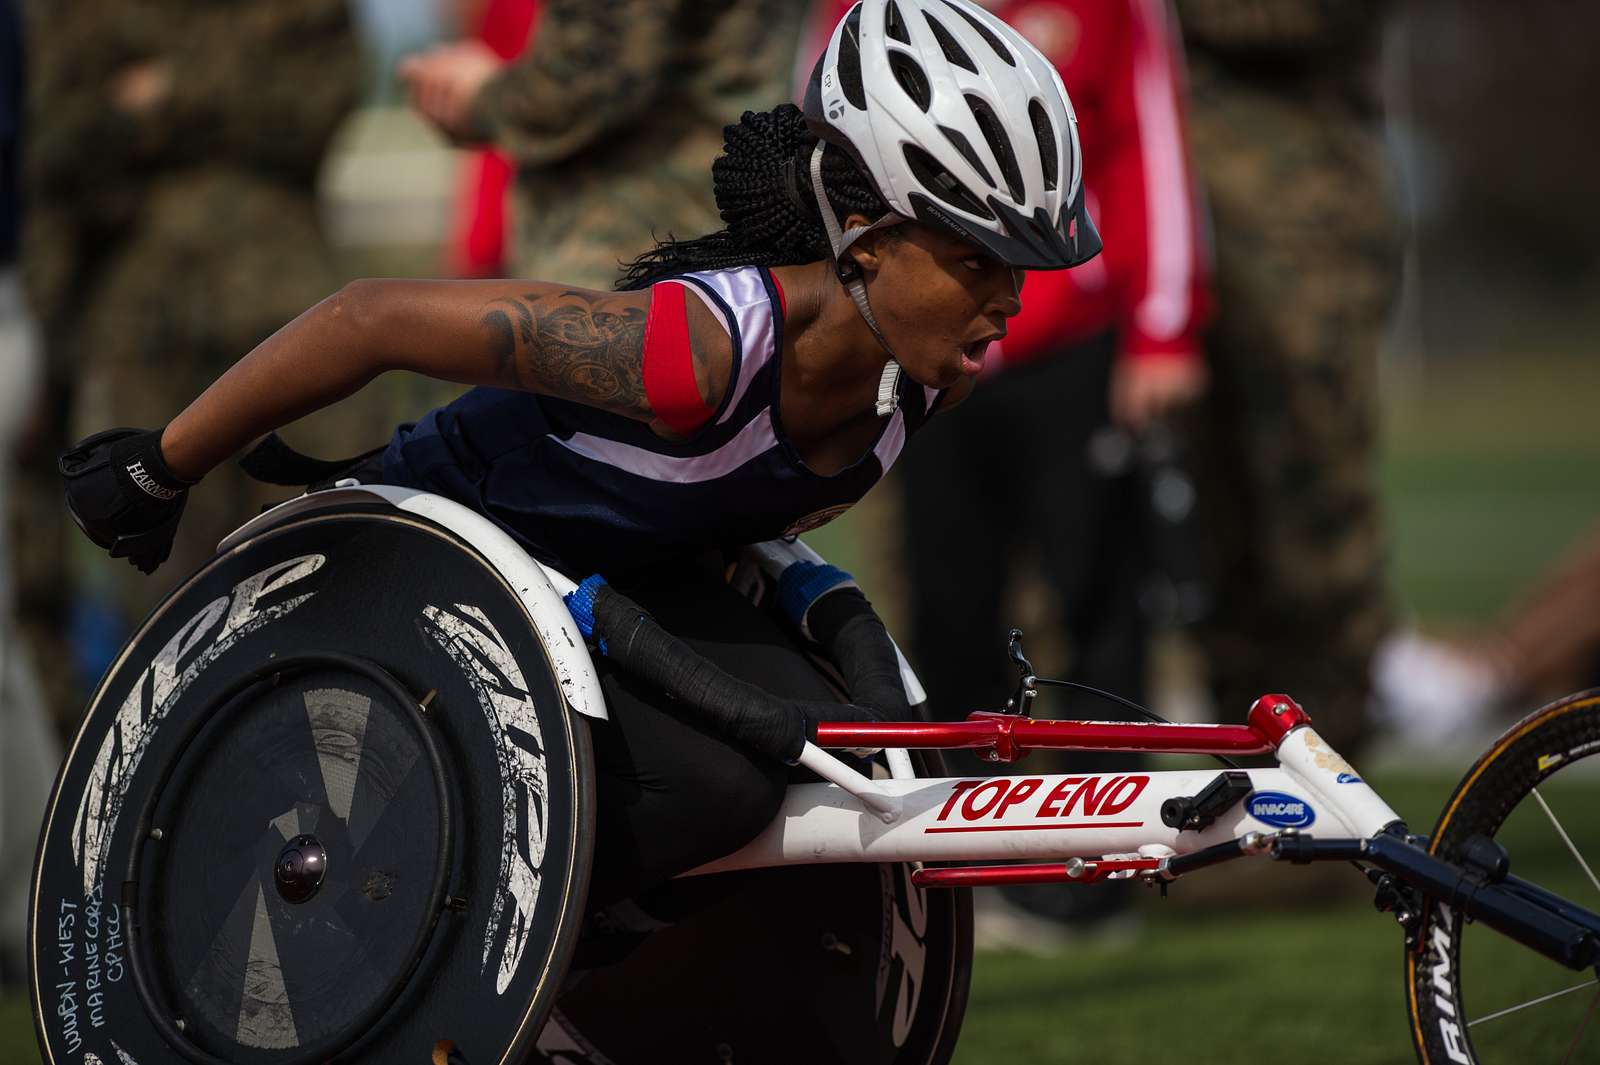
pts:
[1036, 481]
[1545, 644]
[611, 118]
[476, 245]
[172, 225]
[28, 747]
[1285, 128]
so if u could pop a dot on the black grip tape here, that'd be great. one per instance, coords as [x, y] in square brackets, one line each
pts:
[738, 709]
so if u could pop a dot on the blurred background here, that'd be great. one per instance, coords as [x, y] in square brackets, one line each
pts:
[262, 158]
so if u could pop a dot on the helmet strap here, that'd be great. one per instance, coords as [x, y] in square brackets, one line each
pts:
[849, 275]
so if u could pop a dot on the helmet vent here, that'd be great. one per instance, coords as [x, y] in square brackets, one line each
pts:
[999, 144]
[911, 78]
[1046, 136]
[895, 26]
[952, 50]
[964, 146]
[940, 182]
[986, 33]
[850, 61]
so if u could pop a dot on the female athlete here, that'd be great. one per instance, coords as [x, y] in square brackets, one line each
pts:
[745, 385]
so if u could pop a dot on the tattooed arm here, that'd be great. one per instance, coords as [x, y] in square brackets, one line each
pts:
[552, 339]
[579, 345]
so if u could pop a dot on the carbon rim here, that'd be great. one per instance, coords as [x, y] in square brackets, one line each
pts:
[1549, 1013]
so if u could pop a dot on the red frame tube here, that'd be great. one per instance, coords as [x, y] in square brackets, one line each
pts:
[1006, 737]
[1053, 873]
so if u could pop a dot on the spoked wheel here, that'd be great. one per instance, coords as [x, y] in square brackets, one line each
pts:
[1475, 996]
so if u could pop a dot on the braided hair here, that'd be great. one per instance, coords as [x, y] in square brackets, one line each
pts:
[763, 188]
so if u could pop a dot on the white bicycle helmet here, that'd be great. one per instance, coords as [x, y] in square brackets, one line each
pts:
[961, 124]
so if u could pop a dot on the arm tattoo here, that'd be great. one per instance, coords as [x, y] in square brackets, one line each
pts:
[582, 346]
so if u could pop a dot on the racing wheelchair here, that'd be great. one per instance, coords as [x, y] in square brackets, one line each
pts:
[333, 802]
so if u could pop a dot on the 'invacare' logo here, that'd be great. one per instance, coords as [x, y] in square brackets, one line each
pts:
[1281, 810]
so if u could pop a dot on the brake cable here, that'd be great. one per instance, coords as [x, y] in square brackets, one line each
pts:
[1025, 684]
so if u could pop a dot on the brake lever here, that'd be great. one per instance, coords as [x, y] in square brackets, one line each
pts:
[1021, 703]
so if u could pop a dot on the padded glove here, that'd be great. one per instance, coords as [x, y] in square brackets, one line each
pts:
[854, 639]
[123, 496]
[802, 584]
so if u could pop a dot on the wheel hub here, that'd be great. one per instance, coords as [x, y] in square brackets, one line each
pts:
[301, 865]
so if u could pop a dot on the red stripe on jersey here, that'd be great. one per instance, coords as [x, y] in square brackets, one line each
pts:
[669, 383]
[783, 304]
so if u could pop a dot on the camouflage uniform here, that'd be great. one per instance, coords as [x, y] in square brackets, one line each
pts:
[614, 116]
[1285, 139]
[162, 245]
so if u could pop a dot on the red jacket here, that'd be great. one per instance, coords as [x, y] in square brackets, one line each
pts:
[1123, 68]
[476, 244]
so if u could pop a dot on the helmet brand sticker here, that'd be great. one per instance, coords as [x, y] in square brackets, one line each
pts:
[1281, 810]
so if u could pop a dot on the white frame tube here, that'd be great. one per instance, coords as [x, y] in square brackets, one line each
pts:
[1039, 816]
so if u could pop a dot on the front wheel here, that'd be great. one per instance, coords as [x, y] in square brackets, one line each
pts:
[1494, 1000]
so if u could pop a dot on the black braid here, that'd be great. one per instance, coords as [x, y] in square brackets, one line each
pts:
[763, 189]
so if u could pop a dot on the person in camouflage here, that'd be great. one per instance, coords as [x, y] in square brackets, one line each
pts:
[612, 118]
[1283, 126]
[170, 163]
[29, 750]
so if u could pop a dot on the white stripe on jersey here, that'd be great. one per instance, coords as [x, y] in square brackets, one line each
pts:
[754, 439]
[710, 304]
[892, 440]
[744, 291]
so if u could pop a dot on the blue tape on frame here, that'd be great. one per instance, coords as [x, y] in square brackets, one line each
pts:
[580, 603]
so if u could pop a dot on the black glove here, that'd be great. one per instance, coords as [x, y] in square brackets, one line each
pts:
[123, 496]
[854, 638]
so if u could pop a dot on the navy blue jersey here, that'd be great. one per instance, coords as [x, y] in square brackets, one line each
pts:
[586, 490]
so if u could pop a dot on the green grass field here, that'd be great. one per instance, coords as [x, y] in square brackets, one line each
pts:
[1287, 987]
[16, 1031]
[1490, 471]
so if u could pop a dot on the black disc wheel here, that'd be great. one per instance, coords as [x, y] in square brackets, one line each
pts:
[304, 841]
[1474, 996]
[327, 805]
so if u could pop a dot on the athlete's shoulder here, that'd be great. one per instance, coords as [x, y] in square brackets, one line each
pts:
[689, 355]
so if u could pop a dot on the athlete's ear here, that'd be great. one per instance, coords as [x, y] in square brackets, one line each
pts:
[867, 252]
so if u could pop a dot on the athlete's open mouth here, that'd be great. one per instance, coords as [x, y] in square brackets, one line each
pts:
[972, 355]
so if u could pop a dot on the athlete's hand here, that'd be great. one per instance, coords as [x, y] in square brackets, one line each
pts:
[853, 637]
[123, 496]
[884, 700]
[1147, 389]
[444, 80]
